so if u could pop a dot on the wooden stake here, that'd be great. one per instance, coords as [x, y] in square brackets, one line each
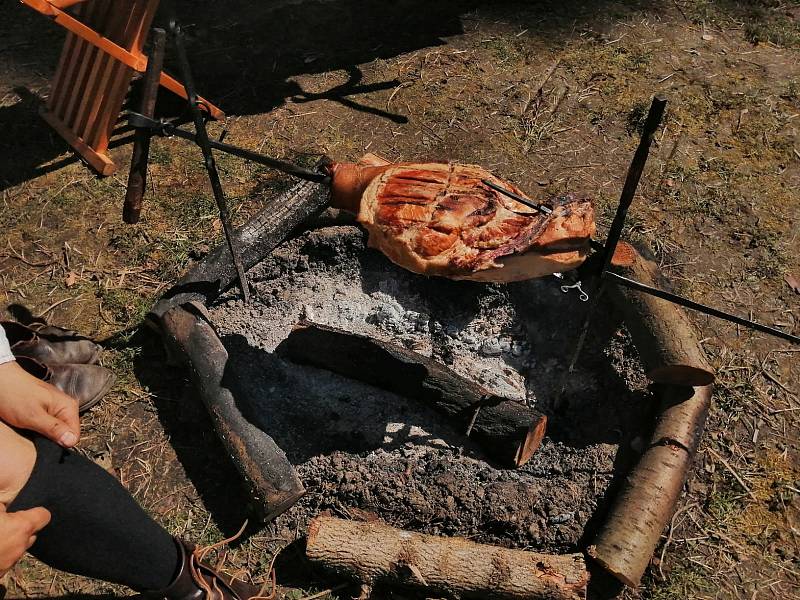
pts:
[137, 179]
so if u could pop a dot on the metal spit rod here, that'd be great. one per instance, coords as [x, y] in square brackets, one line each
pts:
[616, 232]
[165, 128]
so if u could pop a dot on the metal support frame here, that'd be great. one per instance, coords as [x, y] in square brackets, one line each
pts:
[201, 139]
[604, 274]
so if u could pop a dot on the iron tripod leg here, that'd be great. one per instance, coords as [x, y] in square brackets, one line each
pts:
[201, 139]
[614, 234]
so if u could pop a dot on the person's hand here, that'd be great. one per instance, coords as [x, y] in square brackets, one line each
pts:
[18, 533]
[28, 403]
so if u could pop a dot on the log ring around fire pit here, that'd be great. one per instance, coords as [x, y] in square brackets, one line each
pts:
[637, 517]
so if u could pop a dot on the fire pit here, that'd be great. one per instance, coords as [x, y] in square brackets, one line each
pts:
[357, 446]
[310, 440]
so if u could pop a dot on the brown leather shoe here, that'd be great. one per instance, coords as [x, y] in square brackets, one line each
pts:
[86, 383]
[54, 350]
[198, 581]
[55, 333]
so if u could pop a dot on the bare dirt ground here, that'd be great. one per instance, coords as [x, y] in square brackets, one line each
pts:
[719, 206]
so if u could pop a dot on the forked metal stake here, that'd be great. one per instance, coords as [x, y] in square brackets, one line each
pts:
[201, 139]
[607, 250]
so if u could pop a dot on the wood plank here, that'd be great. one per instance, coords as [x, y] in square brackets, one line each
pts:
[121, 77]
[97, 88]
[176, 87]
[79, 47]
[67, 21]
[63, 64]
[89, 57]
[111, 80]
[62, 4]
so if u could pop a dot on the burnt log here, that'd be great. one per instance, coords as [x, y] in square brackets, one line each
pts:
[508, 430]
[661, 331]
[273, 482]
[646, 502]
[376, 554]
[255, 240]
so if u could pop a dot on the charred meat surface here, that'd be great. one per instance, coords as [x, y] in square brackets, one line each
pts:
[441, 219]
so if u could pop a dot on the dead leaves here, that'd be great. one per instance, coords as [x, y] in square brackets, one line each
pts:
[793, 282]
[71, 279]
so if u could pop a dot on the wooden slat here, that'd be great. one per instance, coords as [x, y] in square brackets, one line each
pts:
[69, 22]
[121, 76]
[77, 50]
[99, 161]
[62, 4]
[176, 87]
[63, 64]
[88, 68]
[140, 36]
[101, 79]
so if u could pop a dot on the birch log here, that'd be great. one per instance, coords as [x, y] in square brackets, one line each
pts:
[646, 502]
[375, 553]
[663, 334]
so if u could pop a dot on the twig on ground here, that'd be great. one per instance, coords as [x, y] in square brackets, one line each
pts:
[327, 592]
[733, 472]
[56, 304]
[669, 536]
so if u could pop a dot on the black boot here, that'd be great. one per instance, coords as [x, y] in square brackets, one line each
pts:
[197, 581]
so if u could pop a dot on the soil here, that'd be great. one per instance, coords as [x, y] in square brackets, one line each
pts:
[719, 205]
[359, 447]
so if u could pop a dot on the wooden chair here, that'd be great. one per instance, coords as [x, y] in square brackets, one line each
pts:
[101, 54]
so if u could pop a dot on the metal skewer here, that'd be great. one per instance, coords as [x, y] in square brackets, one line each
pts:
[542, 208]
[165, 128]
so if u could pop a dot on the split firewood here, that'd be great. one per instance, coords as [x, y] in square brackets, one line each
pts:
[646, 502]
[376, 554]
[441, 219]
[661, 330]
[508, 430]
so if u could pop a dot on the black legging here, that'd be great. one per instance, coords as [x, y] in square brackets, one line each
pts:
[97, 528]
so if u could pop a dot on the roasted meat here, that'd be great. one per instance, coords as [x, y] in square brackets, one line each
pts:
[441, 219]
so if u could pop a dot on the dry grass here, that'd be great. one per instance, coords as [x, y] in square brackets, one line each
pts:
[719, 205]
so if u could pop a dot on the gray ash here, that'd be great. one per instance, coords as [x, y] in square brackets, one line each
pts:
[358, 448]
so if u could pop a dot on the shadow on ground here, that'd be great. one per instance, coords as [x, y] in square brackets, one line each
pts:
[246, 56]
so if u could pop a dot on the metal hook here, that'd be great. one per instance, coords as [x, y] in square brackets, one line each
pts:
[584, 297]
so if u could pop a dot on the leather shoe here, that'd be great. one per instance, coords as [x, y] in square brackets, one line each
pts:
[198, 581]
[86, 383]
[51, 348]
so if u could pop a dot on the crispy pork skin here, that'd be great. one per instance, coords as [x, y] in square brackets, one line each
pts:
[441, 219]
